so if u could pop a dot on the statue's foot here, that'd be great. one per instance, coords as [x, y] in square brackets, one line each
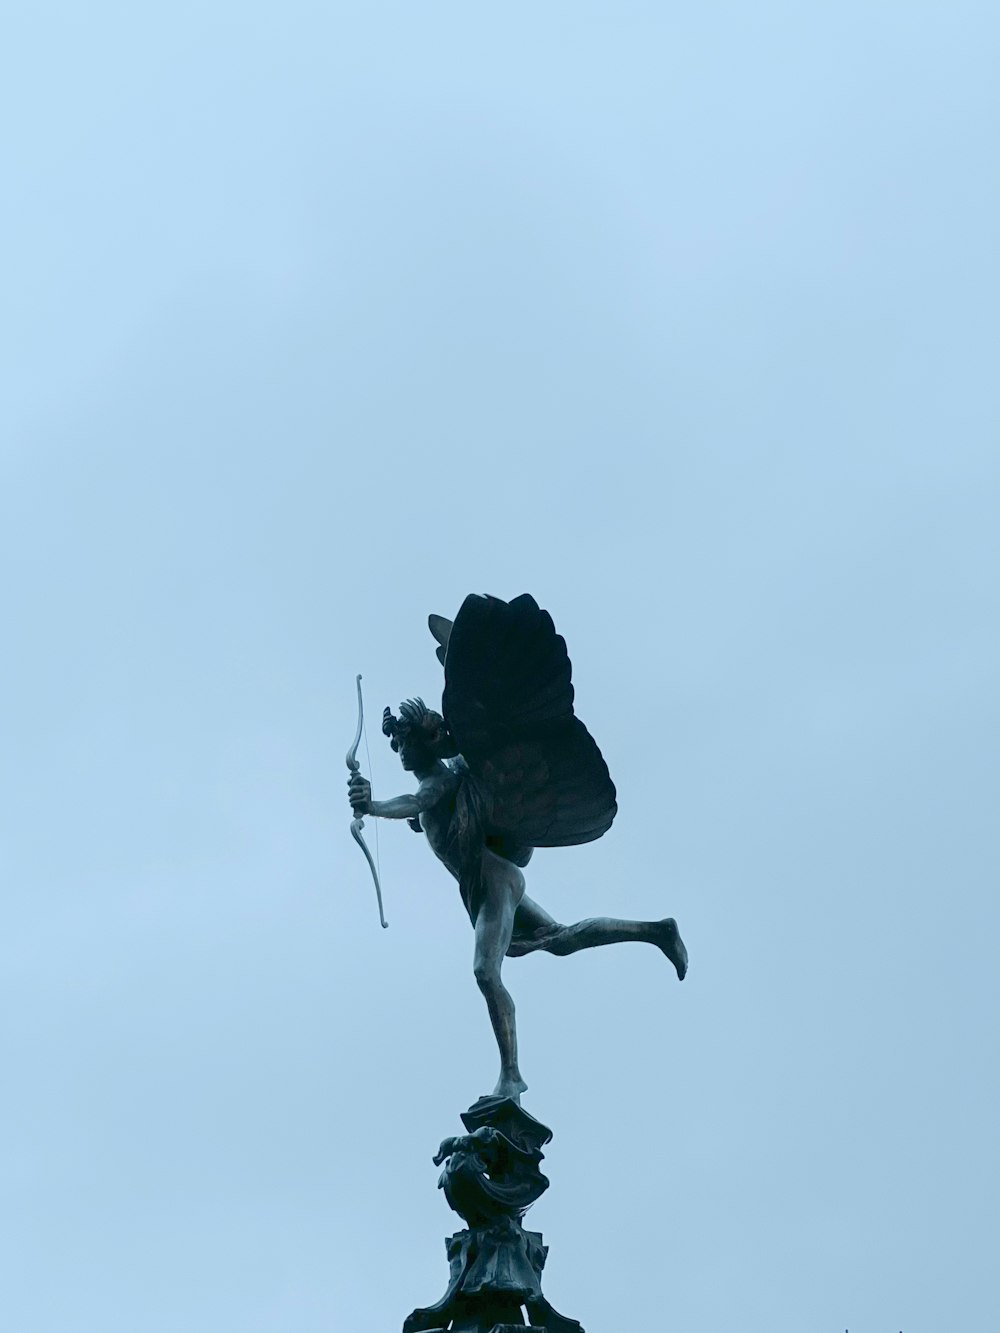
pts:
[668, 938]
[510, 1085]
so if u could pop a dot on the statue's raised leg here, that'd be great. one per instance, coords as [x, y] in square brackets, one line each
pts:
[535, 930]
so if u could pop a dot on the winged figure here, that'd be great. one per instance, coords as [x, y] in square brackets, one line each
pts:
[506, 767]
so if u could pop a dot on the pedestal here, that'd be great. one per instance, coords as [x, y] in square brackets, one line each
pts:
[491, 1177]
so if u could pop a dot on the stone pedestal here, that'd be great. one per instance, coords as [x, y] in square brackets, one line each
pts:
[491, 1177]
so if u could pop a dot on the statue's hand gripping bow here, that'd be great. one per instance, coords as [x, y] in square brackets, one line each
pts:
[358, 824]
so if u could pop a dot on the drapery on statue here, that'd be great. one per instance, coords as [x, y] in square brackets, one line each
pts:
[506, 767]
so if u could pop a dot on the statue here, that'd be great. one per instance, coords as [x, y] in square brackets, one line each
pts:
[505, 767]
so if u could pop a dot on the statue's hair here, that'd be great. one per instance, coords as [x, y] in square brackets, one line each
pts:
[413, 711]
[417, 719]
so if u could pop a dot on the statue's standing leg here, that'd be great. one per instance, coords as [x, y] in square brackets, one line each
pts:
[503, 886]
[536, 930]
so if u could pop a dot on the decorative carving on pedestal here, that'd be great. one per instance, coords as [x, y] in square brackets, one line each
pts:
[491, 1177]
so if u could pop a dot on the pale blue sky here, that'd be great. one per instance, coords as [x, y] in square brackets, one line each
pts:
[318, 317]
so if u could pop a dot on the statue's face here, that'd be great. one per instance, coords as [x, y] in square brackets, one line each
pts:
[424, 745]
[408, 752]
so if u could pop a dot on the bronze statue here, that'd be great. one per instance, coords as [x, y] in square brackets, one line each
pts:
[505, 767]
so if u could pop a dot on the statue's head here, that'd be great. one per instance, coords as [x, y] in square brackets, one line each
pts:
[418, 735]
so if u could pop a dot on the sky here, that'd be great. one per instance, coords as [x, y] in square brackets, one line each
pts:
[683, 319]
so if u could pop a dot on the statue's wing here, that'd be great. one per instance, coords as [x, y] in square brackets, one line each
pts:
[441, 629]
[551, 791]
[540, 778]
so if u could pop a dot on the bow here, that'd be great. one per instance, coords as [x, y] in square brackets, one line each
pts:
[357, 824]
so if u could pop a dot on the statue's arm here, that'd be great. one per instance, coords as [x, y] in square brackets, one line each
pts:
[424, 798]
[399, 807]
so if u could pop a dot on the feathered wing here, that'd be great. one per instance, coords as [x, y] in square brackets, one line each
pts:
[536, 776]
[441, 629]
